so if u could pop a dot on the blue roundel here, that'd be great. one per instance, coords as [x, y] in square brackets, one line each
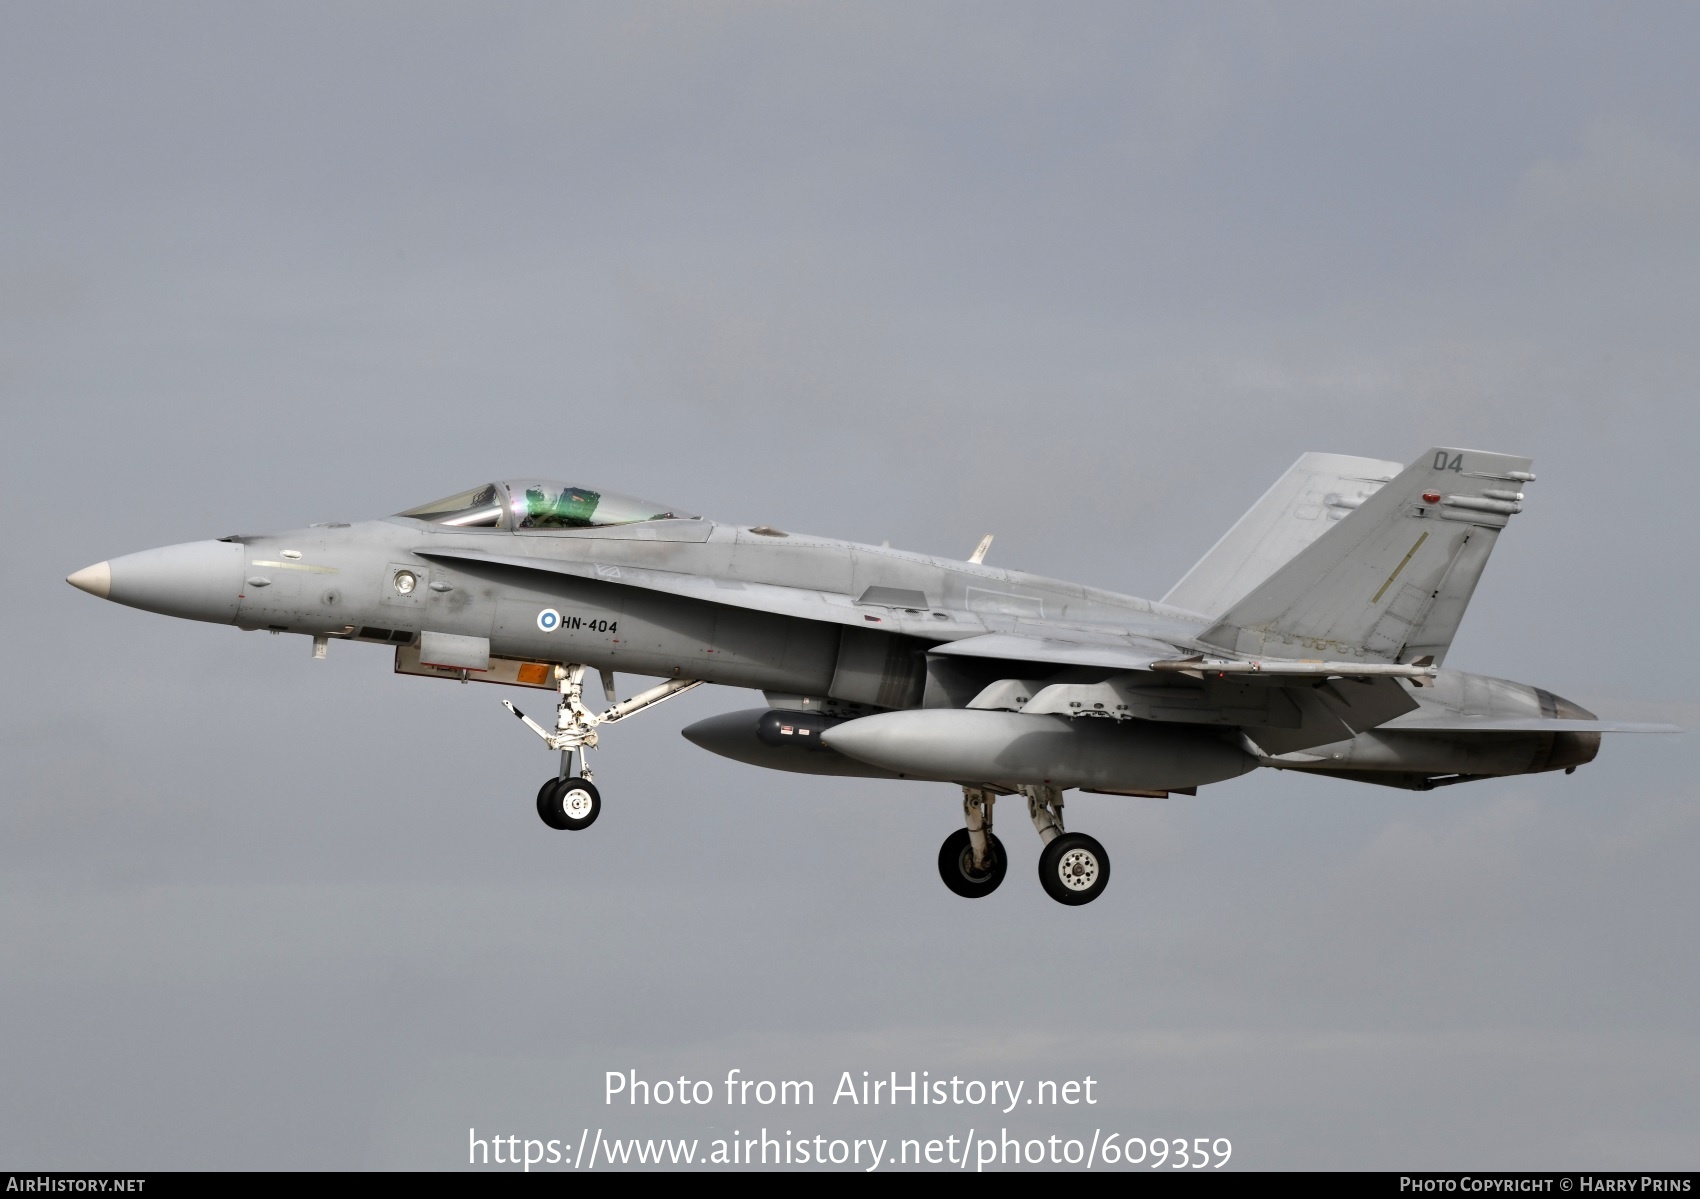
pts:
[548, 620]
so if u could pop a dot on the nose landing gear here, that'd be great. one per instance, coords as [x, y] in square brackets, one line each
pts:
[571, 801]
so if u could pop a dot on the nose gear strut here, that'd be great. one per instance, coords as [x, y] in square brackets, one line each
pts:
[571, 801]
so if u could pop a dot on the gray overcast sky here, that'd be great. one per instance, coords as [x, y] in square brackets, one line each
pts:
[1088, 276]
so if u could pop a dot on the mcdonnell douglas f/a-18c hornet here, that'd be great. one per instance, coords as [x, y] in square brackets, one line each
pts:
[1311, 638]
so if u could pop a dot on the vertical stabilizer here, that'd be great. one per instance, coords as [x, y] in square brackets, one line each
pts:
[1317, 491]
[1390, 581]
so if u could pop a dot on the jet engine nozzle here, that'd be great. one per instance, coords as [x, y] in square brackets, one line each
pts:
[1565, 751]
[198, 580]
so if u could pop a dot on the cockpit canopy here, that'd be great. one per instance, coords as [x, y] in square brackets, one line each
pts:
[480, 508]
[541, 504]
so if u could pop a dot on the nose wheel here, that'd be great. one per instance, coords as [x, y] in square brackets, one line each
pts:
[546, 811]
[569, 804]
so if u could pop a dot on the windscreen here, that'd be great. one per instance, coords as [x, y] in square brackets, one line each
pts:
[480, 508]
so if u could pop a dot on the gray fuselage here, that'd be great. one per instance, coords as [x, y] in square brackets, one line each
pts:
[814, 622]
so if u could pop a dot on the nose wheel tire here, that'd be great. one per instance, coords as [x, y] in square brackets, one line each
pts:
[569, 804]
[956, 865]
[546, 811]
[1074, 869]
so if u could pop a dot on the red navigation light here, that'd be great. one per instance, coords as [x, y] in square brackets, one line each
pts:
[1431, 497]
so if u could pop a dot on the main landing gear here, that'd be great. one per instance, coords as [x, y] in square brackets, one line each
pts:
[1073, 868]
[571, 801]
[971, 860]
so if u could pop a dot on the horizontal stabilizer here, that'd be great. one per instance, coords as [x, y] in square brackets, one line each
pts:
[1521, 724]
[1200, 667]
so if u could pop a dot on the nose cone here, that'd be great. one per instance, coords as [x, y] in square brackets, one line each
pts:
[96, 579]
[199, 580]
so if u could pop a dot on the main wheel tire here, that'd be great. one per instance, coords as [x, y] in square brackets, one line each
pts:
[547, 810]
[1074, 869]
[956, 865]
[576, 803]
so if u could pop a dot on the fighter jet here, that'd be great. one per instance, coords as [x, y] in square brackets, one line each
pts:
[1312, 637]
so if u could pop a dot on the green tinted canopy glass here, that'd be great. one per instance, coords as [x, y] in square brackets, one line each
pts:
[543, 504]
